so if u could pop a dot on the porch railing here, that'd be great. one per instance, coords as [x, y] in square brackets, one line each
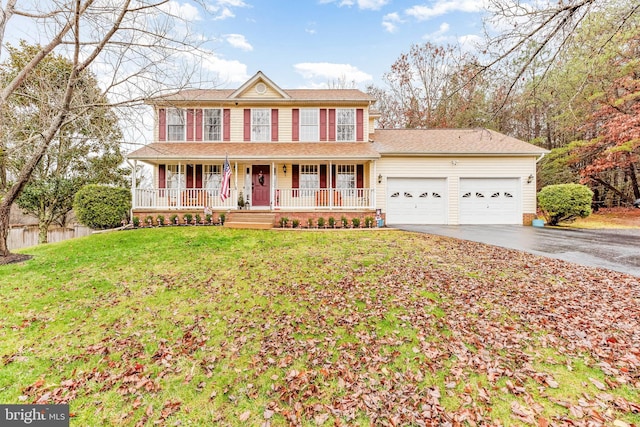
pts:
[324, 198]
[284, 198]
[172, 198]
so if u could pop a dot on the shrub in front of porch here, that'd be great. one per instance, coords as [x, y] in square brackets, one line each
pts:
[101, 206]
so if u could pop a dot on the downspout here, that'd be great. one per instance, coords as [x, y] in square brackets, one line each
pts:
[133, 186]
[373, 176]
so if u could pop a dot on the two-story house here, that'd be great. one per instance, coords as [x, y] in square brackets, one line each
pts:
[315, 152]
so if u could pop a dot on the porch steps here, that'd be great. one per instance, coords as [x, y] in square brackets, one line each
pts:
[253, 220]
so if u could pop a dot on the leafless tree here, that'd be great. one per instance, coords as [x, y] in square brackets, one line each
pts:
[523, 35]
[138, 44]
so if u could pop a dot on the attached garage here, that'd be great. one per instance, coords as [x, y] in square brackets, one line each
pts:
[455, 176]
[490, 201]
[416, 201]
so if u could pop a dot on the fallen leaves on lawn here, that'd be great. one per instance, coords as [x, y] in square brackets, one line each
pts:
[434, 336]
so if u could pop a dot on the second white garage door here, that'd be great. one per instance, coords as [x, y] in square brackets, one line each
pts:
[416, 201]
[490, 201]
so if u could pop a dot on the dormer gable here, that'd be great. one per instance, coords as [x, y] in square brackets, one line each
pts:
[259, 87]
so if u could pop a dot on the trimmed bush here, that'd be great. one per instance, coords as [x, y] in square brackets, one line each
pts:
[101, 206]
[355, 222]
[320, 222]
[565, 202]
[332, 222]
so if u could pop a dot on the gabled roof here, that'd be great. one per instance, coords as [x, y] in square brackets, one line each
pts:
[253, 151]
[416, 142]
[272, 94]
[257, 78]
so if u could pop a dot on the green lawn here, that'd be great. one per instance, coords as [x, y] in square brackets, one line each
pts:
[207, 325]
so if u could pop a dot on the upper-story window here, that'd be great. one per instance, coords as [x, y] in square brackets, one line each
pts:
[261, 124]
[212, 122]
[309, 124]
[175, 124]
[345, 124]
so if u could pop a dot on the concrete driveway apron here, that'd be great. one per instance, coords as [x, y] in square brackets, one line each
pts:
[617, 250]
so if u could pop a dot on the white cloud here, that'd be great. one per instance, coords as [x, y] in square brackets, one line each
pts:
[442, 7]
[470, 43]
[439, 35]
[372, 4]
[228, 71]
[184, 11]
[362, 4]
[390, 22]
[223, 9]
[311, 28]
[238, 41]
[327, 72]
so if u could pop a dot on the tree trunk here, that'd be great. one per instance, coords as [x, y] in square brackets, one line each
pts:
[5, 209]
[43, 231]
[634, 180]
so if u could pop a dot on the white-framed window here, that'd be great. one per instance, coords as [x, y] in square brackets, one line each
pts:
[261, 124]
[345, 124]
[212, 122]
[309, 124]
[175, 124]
[309, 179]
[212, 179]
[345, 176]
[175, 176]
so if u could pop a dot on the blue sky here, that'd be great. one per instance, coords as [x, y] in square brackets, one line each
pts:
[307, 43]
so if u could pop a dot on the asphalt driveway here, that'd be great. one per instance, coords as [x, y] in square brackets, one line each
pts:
[617, 250]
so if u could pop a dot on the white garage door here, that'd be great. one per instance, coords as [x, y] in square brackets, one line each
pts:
[416, 201]
[490, 201]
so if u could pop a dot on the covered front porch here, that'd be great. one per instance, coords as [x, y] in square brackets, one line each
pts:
[285, 186]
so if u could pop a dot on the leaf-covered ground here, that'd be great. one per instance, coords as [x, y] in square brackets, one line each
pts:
[199, 326]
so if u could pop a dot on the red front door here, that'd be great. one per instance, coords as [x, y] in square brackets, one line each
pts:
[260, 185]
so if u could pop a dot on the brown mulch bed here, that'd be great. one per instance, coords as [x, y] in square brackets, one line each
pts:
[13, 258]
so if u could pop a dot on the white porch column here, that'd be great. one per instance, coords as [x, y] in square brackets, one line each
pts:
[133, 186]
[272, 184]
[374, 183]
[235, 166]
[330, 189]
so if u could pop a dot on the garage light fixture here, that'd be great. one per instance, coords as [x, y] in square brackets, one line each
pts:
[530, 179]
[380, 178]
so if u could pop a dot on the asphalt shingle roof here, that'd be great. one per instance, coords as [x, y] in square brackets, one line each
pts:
[450, 141]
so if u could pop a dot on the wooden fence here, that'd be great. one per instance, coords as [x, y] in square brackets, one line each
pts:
[25, 236]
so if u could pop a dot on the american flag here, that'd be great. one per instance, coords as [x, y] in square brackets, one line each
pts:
[226, 177]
